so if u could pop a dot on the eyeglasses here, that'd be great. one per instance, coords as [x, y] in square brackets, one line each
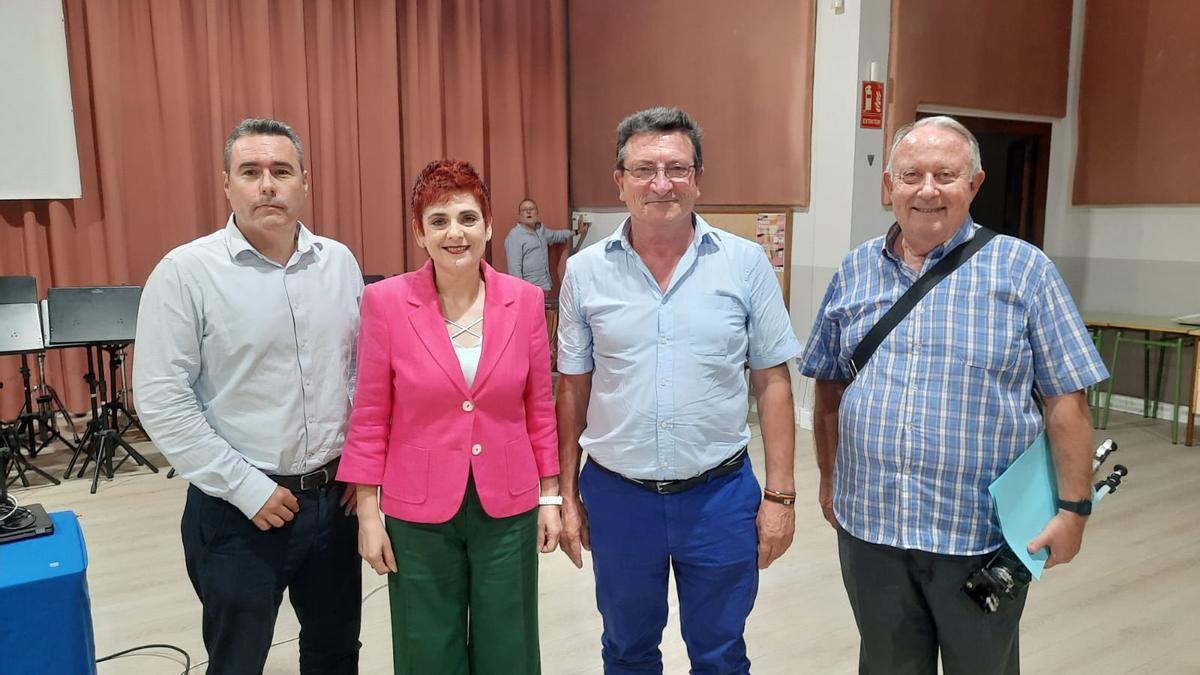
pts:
[676, 172]
[913, 177]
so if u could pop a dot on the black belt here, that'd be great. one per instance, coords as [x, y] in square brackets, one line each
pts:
[309, 481]
[670, 487]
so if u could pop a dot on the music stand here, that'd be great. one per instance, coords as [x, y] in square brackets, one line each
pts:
[103, 318]
[21, 334]
[49, 404]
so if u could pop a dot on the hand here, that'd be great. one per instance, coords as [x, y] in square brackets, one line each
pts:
[1063, 534]
[349, 500]
[374, 545]
[825, 499]
[279, 510]
[549, 527]
[574, 536]
[581, 226]
[776, 525]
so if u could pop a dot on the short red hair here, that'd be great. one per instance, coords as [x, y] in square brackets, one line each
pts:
[442, 179]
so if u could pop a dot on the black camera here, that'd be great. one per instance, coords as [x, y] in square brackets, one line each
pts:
[1002, 576]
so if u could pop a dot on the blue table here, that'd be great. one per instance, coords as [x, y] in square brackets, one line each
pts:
[44, 597]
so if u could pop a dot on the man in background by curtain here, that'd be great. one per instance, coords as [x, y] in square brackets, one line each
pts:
[243, 379]
[527, 245]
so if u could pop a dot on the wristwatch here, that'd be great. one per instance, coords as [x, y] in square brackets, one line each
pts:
[1083, 507]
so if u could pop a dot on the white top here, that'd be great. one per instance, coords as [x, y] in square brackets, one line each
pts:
[245, 367]
[468, 358]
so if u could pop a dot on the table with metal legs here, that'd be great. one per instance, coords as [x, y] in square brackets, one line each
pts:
[1156, 334]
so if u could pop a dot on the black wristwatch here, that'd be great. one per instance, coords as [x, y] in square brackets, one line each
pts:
[1083, 507]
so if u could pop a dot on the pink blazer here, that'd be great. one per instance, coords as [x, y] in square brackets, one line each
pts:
[417, 430]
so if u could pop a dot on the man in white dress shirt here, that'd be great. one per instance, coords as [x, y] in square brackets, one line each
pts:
[243, 378]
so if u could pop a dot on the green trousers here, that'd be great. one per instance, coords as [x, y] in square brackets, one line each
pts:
[464, 598]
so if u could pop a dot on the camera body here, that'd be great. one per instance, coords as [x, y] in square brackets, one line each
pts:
[1002, 576]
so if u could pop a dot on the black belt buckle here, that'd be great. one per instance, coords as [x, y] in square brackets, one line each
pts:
[318, 478]
[663, 487]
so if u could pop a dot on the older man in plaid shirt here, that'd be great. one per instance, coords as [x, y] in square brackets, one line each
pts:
[907, 450]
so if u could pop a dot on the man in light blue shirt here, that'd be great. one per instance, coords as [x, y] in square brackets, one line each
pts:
[908, 447]
[243, 376]
[658, 323]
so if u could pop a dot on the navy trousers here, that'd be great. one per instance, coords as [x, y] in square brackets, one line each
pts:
[239, 573]
[706, 536]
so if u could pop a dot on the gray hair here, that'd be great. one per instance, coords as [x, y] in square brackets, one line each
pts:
[942, 122]
[663, 120]
[254, 126]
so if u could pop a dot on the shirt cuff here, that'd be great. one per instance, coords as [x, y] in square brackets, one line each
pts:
[761, 362]
[570, 366]
[252, 494]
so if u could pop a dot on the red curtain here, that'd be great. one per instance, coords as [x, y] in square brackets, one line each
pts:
[376, 89]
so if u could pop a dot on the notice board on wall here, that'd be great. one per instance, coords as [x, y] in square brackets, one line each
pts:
[769, 226]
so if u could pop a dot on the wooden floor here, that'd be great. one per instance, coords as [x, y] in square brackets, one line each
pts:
[1125, 606]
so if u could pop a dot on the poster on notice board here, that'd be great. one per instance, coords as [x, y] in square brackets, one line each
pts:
[770, 234]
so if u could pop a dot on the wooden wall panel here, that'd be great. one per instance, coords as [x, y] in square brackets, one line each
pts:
[743, 71]
[1139, 102]
[1011, 56]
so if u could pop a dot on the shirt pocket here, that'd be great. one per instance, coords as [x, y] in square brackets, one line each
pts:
[991, 343]
[714, 323]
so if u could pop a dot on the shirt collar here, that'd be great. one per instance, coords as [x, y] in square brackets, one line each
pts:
[964, 233]
[706, 235]
[239, 245]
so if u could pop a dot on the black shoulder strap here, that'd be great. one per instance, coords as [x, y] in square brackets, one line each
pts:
[944, 268]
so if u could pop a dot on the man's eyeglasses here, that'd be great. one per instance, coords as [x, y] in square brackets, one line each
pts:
[913, 177]
[677, 172]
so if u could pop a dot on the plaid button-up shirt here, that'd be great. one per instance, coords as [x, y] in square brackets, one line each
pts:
[944, 406]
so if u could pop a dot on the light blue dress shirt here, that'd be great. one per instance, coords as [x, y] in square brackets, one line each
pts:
[945, 405]
[244, 367]
[669, 396]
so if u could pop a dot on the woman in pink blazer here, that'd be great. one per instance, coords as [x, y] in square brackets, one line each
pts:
[452, 437]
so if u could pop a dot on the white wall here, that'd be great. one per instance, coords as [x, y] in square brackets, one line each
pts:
[845, 207]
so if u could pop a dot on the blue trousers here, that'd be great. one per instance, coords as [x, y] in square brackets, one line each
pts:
[240, 572]
[706, 536]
